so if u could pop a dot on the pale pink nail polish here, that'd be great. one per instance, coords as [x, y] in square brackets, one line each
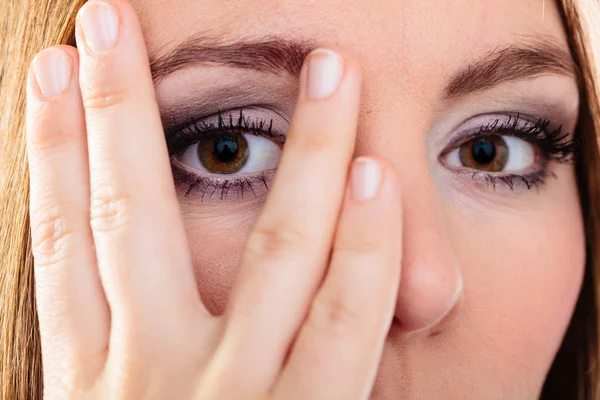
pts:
[325, 68]
[52, 69]
[100, 24]
[365, 178]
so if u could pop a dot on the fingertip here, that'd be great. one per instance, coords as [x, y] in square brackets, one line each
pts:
[50, 73]
[389, 176]
[325, 72]
[365, 178]
[72, 52]
[351, 59]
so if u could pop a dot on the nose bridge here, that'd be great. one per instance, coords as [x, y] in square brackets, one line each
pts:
[431, 279]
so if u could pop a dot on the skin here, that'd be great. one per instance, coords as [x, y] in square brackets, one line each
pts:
[436, 287]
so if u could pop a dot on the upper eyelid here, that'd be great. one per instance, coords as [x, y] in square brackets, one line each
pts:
[183, 135]
[176, 126]
[463, 134]
[554, 144]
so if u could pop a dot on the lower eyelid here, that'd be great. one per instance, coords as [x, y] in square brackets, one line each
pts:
[512, 181]
[235, 188]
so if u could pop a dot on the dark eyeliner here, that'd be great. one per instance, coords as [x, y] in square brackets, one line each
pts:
[531, 180]
[180, 136]
[552, 144]
[207, 187]
[188, 132]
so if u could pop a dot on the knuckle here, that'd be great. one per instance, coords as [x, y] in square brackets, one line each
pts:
[356, 249]
[50, 232]
[103, 97]
[83, 370]
[230, 380]
[109, 208]
[272, 241]
[46, 136]
[137, 355]
[332, 316]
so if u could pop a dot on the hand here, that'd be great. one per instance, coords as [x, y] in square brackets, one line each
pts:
[119, 310]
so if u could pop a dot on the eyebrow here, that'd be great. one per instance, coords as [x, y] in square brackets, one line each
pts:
[272, 55]
[517, 61]
[281, 56]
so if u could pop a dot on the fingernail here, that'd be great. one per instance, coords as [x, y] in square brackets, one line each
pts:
[324, 73]
[100, 25]
[52, 69]
[365, 178]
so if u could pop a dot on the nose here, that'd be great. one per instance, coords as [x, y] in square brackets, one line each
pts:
[431, 279]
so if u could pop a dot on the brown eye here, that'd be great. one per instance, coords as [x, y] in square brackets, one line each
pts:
[493, 153]
[230, 152]
[486, 154]
[223, 153]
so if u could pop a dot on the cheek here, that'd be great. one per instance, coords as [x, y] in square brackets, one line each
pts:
[217, 237]
[522, 272]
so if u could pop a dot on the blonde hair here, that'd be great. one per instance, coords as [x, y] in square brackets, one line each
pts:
[27, 26]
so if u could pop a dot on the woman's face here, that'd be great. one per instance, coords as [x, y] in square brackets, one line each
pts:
[464, 97]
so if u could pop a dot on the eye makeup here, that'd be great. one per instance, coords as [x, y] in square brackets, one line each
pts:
[548, 144]
[485, 132]
[256, 121]
[223, 105]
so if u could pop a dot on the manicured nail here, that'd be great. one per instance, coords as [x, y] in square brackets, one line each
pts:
[365, 178]
[100, 25]
[52, 69]
[324, 73]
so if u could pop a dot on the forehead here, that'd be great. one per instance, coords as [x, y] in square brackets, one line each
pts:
[377, 28]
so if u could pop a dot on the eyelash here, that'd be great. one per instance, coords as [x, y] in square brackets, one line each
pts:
[187, 133]
[554, 145]
[208, 186]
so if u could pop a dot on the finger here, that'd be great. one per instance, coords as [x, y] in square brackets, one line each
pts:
[72, 310]
[141, 245]
[287, 250]
[338, 348]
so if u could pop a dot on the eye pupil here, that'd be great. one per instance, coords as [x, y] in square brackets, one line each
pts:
[483, 151]
[225, 149]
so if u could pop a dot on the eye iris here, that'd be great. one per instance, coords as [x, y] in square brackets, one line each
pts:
[223, 153]
[488, 154]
